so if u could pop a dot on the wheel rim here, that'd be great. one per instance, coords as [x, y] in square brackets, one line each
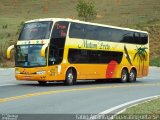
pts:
[70, 77]
[132, 76]
[124, 76]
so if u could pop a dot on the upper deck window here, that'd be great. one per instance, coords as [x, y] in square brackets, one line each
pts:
[102, 33]
[60, 29]
[36, 30]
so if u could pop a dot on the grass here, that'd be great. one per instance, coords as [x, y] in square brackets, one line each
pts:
[138, 14]
[149, 108]
[155, 61]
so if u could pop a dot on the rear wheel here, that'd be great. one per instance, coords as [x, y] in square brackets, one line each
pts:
[132, 76]
[70, 77]
[42, 82]
[124, 76]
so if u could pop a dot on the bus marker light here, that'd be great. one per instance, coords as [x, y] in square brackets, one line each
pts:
[41, 72]
[17, 72]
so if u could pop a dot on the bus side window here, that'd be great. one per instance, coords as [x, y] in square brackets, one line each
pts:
[60, 30]
[137, 38]
[144, 38]
[91, 32]
[77, 30]
[128, 37]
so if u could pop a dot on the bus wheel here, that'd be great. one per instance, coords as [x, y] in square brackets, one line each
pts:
[132, 76]
[42, 82]
[124, 76]
[70, 77]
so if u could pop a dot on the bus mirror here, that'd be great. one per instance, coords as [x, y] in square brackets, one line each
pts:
[9, 51]
[43, 50]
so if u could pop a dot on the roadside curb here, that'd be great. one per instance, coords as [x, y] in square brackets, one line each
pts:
[141, 102]
[122, 107]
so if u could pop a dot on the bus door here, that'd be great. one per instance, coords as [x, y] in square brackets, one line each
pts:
[57, 43]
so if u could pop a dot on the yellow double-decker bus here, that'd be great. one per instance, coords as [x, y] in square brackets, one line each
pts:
[56, 49]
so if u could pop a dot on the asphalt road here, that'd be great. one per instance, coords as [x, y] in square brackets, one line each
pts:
[87, 97]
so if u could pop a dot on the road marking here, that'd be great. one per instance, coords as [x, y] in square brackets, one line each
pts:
[128, 103]
[71, 90]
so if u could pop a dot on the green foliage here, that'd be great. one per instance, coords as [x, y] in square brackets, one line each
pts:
[3, 47]
[19, 27]
[143, 111]
[155, 61]
[86, 10]
[4, 26]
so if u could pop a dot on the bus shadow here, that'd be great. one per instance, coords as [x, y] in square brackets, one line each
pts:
[81, 83]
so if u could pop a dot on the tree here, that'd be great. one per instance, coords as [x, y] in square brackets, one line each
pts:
[86, 10]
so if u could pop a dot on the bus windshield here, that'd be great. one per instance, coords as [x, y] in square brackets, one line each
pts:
[29, 56]
[36, 30]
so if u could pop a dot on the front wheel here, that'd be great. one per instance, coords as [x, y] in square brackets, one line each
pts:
[132, 76]
[70, 77]
[124, 76]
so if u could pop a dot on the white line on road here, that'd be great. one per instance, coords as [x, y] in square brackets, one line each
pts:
[128, 103]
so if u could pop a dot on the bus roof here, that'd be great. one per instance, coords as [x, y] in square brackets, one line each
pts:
[83, 22]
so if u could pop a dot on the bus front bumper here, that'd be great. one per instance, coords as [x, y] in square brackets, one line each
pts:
[38, 74]
[31, 77]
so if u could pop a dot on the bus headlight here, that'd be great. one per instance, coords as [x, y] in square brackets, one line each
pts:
[17, 72]
[41, 72]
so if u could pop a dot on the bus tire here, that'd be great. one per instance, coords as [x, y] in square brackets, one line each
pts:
[42, 82]
[124, 76]
[70, 78]
[132, 75]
